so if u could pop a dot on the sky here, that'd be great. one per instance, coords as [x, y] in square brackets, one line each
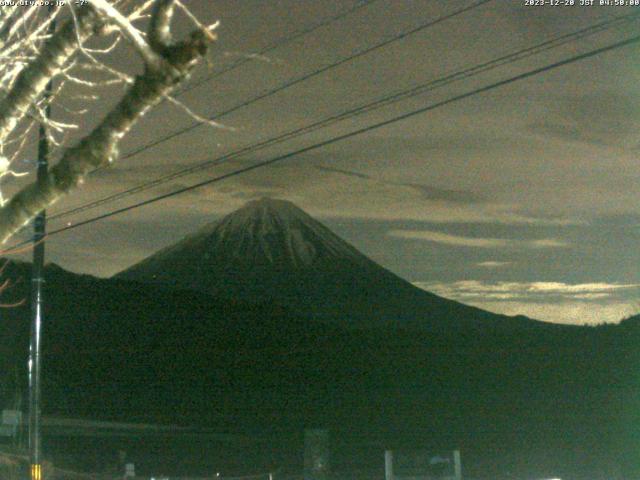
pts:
[519, 200]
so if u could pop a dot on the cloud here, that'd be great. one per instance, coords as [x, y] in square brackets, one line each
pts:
[546, 243]
[493, 264]
[434, 193]
[575, 313]
[567, 132]
[511, 290]
[347, 173]
[476, 242]
[594, 302]
[560, 287]
[336, 193]
[571, 118]
[428, 192]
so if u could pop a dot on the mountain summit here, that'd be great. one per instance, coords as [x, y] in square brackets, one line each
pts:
[270, 250]
[276, 233]
[266, 234]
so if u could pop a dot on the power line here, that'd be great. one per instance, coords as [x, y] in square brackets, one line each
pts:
[359, 131]
[281, 42]
[307, 76]
[275, 45]
[381, 102]
[343, 61]
[287, 85]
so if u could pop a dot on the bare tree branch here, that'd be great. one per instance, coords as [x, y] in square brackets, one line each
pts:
[32, 81]
[162, 74]
[132, 33]
[160, 28]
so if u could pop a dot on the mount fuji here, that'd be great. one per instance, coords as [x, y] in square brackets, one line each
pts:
[272, 251]
[266, 320]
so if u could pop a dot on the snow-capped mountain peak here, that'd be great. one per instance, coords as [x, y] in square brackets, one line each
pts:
[271, 250]
[279, 233]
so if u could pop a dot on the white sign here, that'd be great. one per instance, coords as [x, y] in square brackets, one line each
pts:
[129, 470]
[422, 465]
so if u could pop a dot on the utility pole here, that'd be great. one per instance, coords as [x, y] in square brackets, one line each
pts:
[37, 280]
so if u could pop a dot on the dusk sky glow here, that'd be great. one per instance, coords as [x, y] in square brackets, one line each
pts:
[520, 200]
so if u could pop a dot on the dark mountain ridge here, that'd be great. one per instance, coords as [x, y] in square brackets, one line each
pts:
[512, 393]
[557, 398]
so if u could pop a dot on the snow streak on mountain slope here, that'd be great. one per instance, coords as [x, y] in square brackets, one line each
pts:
[279, 233]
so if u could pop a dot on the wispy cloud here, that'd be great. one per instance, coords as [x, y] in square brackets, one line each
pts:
[576, 313]
[561, 302]
[492, 264]
[476, 242]
[525, 290]
[328, 192]
[572, 118]
[348, 173]
[427, 192]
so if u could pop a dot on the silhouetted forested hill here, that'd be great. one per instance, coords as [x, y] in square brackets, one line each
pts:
[562, 398]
